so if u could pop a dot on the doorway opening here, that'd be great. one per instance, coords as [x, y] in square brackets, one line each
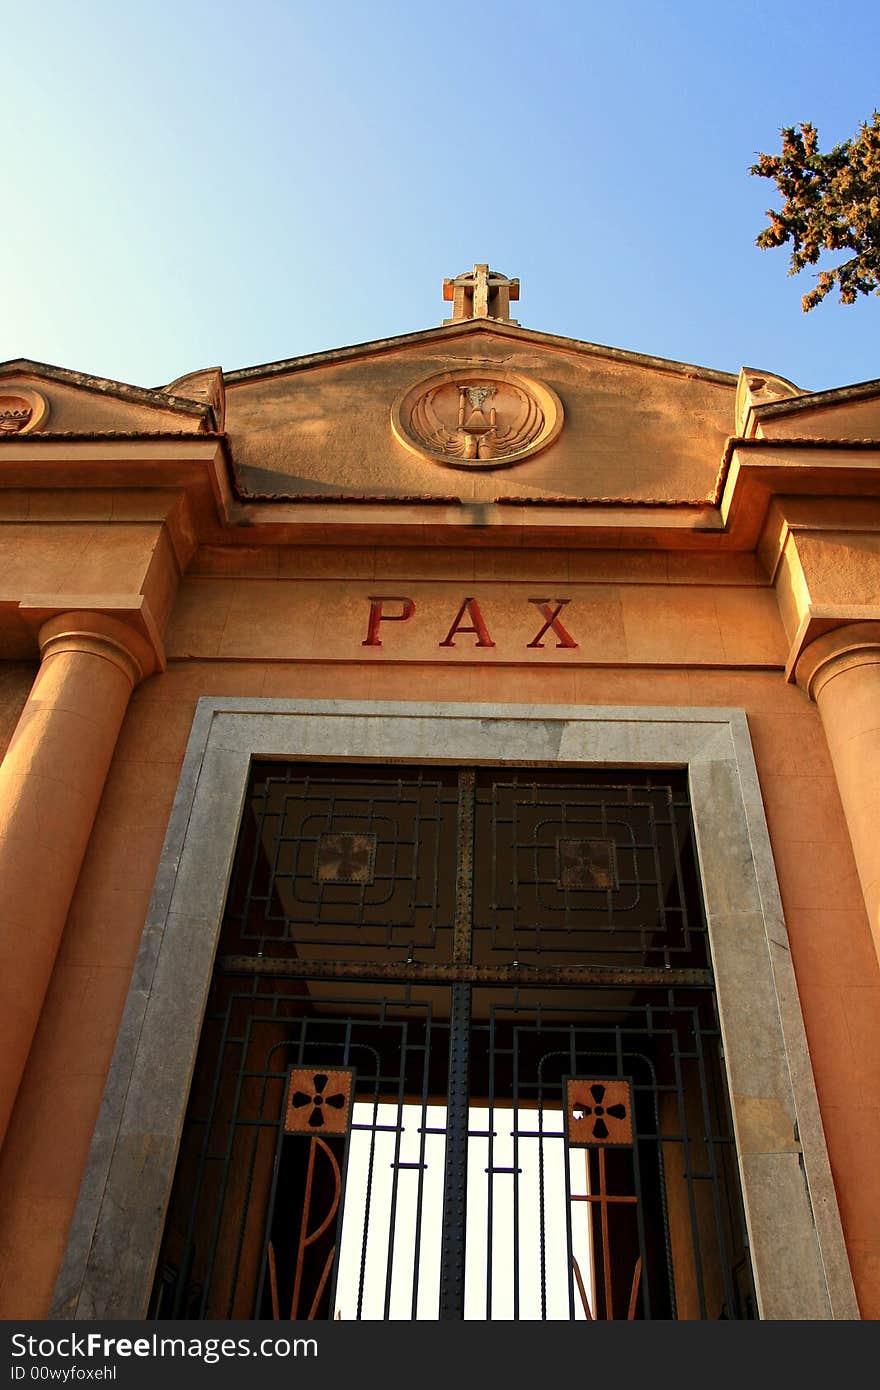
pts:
[461, 1058]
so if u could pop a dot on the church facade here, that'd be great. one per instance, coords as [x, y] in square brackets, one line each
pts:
[439, 873]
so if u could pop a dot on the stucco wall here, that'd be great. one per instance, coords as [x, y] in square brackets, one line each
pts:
[16, 679]
[834, 958]
[633, 427]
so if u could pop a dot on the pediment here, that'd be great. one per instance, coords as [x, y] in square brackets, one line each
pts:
[36, 398]
[380, 420]
[846, 413]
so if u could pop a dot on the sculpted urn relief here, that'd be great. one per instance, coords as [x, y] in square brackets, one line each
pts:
[472, 419]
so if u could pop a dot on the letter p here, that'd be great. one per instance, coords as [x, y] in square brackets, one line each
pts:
[378, 615]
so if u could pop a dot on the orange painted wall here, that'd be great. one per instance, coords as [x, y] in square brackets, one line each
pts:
[16, 679]
[836, 967]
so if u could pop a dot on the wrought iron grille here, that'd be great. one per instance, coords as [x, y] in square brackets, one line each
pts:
[573, 867]
[359, 861]
[460, 1058]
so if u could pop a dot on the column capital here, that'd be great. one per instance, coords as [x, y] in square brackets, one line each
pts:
[841, 649]
[85, 631]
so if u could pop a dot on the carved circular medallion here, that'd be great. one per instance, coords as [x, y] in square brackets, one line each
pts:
[473, 419]
[21, 410]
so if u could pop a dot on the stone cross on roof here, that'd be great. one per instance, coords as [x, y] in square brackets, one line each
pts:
[480, 293]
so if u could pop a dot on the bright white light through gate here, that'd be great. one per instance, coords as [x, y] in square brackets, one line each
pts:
[505, 1217]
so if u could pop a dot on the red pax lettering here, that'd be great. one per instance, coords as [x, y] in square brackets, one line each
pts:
[477, 625]
[377, 616]
[468, 620]
[551, 616]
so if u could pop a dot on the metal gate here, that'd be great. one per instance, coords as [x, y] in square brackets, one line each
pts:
[460, 1058]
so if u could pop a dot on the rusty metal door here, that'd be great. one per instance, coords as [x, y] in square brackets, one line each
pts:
[460, 1059]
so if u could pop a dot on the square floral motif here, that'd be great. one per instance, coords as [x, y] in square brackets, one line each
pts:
[318, 1102]
[597, 1112]
[586, 865]
[343, 857]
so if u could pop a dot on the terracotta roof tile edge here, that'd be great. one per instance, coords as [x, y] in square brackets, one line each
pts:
[826, 399]
[604, 501]
[133, 435]
[103, 385]
[794, 442]
[243, 495]
[441, 332]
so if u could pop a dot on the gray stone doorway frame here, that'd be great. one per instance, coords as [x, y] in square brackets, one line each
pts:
[799, 1258]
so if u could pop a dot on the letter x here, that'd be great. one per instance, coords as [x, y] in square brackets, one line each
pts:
[551, 617]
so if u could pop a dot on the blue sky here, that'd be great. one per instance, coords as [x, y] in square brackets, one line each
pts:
[197, 184]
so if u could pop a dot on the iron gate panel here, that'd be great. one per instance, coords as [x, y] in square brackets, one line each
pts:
[460, 1058]
[588, 867]
[661, 1195]
[215, 1261]
[361, 865]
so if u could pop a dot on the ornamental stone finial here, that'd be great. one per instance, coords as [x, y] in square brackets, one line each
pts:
[481, 293]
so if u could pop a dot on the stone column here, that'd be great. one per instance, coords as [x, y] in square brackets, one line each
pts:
[51, 782]
[841, 672]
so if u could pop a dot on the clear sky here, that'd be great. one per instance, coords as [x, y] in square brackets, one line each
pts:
[197, 184]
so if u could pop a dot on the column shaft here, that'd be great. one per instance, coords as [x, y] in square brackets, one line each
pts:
[51, 782]
[841, 671]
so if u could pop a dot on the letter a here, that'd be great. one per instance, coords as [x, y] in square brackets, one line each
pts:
[477, 625]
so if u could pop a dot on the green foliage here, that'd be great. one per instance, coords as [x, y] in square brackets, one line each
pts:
[832, 203]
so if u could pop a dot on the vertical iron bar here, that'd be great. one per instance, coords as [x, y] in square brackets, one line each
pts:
[423, 1124]
[569, 1205]
[346, 1061]
[710, 1128]
[255, 1143]
[371, 1163]
[515, 1081]
[644, 1283]
[395, 1166]
[267, 1227]
[658, 876]
[464, 868]
[542, 1223]
[490, 1171]
[279, 1126]
[455, 1186]
[258, 840]
[188, 1245]
[452, 1250]
[683, 1122]
[435, 917]
[683, 896]
[227, 1165]
[606, 1239]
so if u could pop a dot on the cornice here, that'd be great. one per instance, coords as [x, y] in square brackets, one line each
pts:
[452, 332]
[817, 400]
[104, 386]
[223, 511]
